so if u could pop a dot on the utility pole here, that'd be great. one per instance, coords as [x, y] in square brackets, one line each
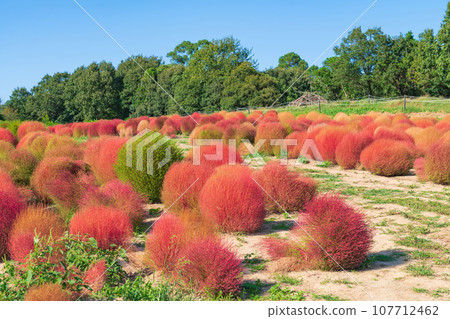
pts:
[404, 103]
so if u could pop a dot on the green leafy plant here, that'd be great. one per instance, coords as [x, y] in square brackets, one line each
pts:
[63, 261]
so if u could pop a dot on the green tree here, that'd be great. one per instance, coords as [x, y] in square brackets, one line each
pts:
[361, 52]
[202, 83]
[17, 102]
[130, 73]
[395, 62]
[184, 51]
[246, 87]
[92, 93]
[47, 98]
[424, 70]
[443, 61]
[290, 60]
[150, 99]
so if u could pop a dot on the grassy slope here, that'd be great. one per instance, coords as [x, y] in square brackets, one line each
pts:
[363, 107]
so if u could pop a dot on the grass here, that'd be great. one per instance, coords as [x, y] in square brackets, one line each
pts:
[254, 263]
[328, 297]
[364, 106]
[276, 293]
[285, 279]
[382, 258]
[346, 282]
[420, 270]
[418, 242]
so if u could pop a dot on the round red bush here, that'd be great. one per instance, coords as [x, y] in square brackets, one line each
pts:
[212, 268]
[349, 149]
[187, 124]
[437, 168]
[57, 179]
[119, 195]
[107, 156]
[233, 200]
[333, 234]
[387, 157]
[29, 126]
[393, 134]
[419, 169]
[182, 185]
[35, 220]
[327, 141]
[165, 243]
[285, 188]
[109, 226]
[214, 155]
[268, 131]
[10, 206]
[6, 135]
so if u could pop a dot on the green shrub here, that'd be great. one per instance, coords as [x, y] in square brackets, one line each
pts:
[13, 126]
[144, 182]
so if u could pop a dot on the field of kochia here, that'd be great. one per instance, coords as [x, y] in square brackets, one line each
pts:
[79, 222]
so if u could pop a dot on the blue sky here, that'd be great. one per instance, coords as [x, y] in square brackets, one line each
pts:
[48, 36]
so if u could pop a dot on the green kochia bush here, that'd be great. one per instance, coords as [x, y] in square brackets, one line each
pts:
[165, 153]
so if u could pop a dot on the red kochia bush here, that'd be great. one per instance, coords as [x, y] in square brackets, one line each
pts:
[349, 149]
[284, 188]
[182, 185]
[96, 277]
[419, 168]
[57, 179]
[10, 206]
[35, 220]
[48, 292]
[268, 131]
[165, 243]
[437, 168]
[387, 157]
[27, 127]
[338, 228]
[109, 226]
[187, 124]
[214, 155]
[119, 195]
[107, 127]
[327, 141]
[212, 268]
[107, 156]
[6, 135]
[393, 134]
[233, 200]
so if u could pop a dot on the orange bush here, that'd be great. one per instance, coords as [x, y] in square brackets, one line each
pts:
[437, 168]
[29, 126]
[34, 220]
[268, 131]
[349, 149]
[48, 292]
[327, 141]
[182, 185]
[284, 190]
[387, 157]
[419, 169]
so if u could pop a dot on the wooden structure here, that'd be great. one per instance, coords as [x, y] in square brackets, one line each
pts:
[308, 98]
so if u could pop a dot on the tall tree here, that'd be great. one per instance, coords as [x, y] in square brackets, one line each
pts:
[361, 51]
[443, 61]
[184, 51]
[290, 60]
[17, 102]
[130, 73]
[92, 93]
[47, 100]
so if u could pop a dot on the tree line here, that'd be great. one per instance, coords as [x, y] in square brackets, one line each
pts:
[207, 76]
